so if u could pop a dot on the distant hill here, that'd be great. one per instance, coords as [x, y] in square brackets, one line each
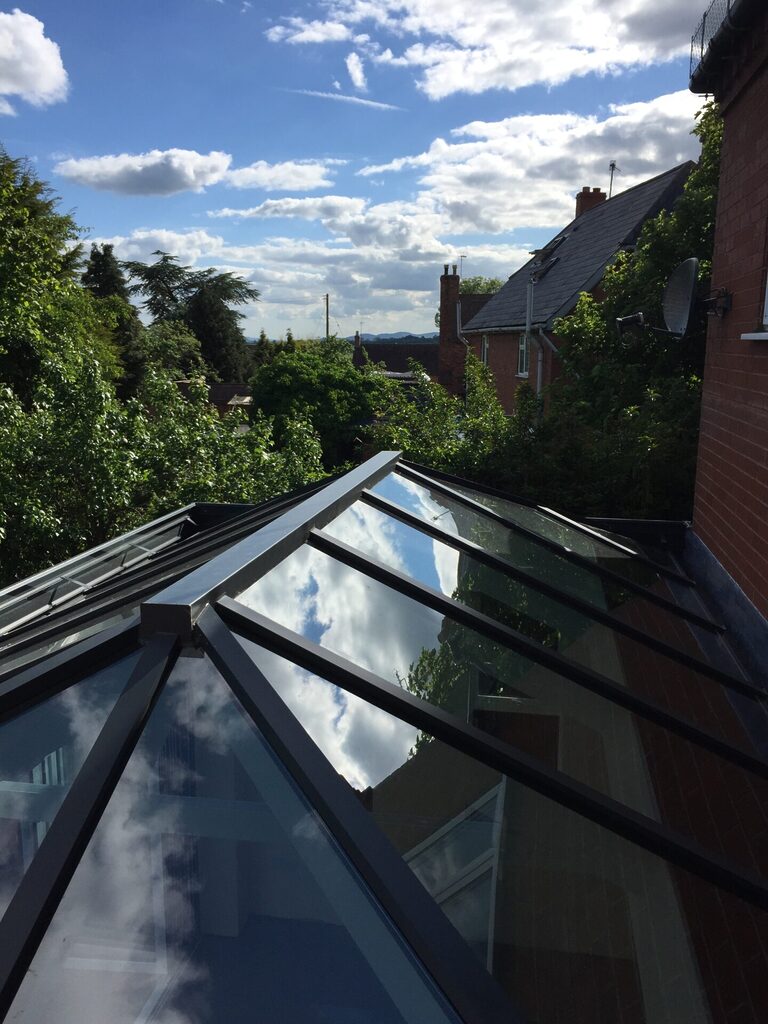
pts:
[399, 338]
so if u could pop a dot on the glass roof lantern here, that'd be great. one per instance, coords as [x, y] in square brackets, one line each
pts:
[396, 749]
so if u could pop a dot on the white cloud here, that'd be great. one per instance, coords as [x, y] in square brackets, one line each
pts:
[297, 30]
[356, 71]
[524, 171]
[30, 64]
[514, 178]
[188, 246]
[345, 99]
[315, 208]
[166, 172]
[506, 44]
[287, 176]
[157, 173]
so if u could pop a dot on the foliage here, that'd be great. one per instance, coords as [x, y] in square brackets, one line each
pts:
[80, 466]
[67, 470]
[264, 351]
[438, 429]
[202, 301]
[38, 255]
[319, 381]
[187, 452]
[103, 276]
[479, 285]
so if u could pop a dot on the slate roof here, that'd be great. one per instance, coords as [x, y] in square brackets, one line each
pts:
[579, 255]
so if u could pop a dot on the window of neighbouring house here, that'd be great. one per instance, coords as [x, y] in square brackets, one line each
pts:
[522, 356]
[484, 350]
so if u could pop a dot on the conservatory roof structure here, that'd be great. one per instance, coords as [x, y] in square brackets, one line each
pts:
[392, 749]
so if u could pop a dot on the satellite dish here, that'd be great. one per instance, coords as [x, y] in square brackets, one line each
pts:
[679, 296]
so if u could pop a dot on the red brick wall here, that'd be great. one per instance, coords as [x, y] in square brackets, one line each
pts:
[731, 504]
[502, 361]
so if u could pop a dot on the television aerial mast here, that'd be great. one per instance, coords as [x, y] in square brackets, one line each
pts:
[613, 169]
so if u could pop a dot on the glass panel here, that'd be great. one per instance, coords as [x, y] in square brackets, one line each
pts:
[551, 528]
[577, 924]
[41, 751]
[212, 892]
[545, 565]
[519, 701]
[552, 623]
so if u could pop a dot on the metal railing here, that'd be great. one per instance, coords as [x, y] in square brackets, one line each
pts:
[718, 12]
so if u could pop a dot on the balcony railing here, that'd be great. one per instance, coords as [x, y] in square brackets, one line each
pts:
[718, 12]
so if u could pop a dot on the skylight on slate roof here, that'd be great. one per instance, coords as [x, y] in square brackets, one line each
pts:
[395, 748]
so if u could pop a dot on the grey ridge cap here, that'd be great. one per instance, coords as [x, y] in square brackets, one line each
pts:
[175, 609]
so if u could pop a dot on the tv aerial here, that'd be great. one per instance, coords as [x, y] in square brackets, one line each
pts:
[679, 303]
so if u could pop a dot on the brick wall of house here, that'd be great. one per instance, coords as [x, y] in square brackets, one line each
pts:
[731, 504]
[503, 351]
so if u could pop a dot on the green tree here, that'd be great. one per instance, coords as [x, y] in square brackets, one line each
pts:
[319, 381]
[466, 436]
[38, 260]
[103, 276]
[479, 285]
[202, 301]
[79, 466]
[186, 452]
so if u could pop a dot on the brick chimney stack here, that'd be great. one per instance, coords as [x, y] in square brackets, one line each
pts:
[358, 355]
[451, 351]
[588, 199]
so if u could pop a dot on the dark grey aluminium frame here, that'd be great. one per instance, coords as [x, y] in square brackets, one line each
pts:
[574, 524]
[571, 556]
[602, 809]
[591, 611]
[178, 608]
[199, 610]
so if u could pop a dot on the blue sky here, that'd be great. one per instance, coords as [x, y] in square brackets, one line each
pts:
[342, 146]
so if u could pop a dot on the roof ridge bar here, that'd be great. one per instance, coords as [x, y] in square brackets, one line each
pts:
[535, 651]
[442, 953]
[468, 739]
[571, 556]
[175, 609]
[575, 524]
[599, 614]
[45, 881]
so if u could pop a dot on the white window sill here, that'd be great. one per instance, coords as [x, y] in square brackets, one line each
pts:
[522, 376]
[756, 336]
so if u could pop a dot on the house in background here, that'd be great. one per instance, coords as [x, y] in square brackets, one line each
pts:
[730, 61]
[512, 331]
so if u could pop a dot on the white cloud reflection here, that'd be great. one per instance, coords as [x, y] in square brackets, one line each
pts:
[366, 622]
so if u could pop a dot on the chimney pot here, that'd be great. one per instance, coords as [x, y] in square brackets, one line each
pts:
[455, 265]
[445, 268]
